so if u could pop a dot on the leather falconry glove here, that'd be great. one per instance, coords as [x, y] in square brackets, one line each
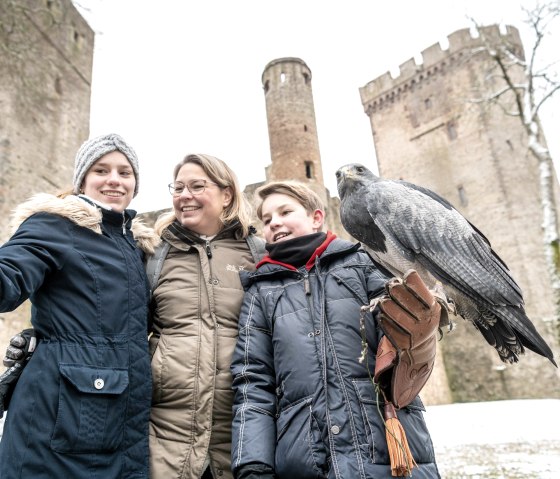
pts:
[18, 353]
[409, 316]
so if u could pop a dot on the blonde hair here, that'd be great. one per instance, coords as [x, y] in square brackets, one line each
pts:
[239, 208]
[64, 193]
[296, 190]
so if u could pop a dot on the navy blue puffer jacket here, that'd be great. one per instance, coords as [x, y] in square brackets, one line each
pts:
[81, 407]
[304, 405]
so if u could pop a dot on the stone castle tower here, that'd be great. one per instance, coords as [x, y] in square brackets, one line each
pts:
[292, 131]
[45, 83]
[427, 132]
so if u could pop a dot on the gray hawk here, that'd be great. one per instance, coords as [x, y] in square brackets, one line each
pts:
[405, 226]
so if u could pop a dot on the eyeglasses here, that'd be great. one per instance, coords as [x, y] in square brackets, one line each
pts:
[196, 187]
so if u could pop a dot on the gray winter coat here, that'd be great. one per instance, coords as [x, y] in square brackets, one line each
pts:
[304, 405]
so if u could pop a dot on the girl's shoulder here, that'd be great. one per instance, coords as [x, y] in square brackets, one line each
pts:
[70, 207]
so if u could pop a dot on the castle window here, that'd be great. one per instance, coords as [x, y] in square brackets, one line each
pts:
[308, 169]
[462, 196]
[266, 86]
[58, 85]
[282, 77]
[451, 130]
[428, 103]
[304, 127]
[306, 78]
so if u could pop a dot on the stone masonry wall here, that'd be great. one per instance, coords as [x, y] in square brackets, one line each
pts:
[46, 54]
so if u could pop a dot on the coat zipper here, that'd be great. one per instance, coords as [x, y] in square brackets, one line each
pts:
[125, 221]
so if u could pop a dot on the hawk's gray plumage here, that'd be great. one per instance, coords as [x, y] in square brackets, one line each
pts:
[406, 227]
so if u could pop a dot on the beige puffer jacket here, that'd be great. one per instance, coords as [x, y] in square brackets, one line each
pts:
[197, 302]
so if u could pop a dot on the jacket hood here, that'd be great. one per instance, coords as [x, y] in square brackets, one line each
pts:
[81, 213]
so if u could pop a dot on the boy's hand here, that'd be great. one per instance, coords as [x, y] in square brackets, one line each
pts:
[409, 317]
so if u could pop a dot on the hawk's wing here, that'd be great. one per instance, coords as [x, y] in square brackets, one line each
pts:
[427, 230]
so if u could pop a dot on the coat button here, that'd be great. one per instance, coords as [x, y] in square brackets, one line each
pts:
[99, 383]
[335, 429]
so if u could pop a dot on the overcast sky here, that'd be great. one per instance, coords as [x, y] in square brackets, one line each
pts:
[184, 76]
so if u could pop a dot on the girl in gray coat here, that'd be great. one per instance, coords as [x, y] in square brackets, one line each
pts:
[305, 407]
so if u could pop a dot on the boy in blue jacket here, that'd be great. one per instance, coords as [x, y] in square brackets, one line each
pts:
[305, 404]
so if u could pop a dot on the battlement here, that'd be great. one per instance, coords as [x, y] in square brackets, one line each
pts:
[435, 59]
[284, 62]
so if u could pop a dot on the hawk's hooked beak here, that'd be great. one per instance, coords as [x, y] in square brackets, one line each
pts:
[343, 173]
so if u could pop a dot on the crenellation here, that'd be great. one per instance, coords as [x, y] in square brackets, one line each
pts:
[433, 55]
[459, 40]
[394, 90]
[409, 68]
[382, 83]
[435, 61]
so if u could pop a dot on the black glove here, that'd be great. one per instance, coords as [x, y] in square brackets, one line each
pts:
[21, 347]
[19, 351]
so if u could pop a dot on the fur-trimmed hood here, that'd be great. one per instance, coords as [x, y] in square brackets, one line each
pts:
[83, 214]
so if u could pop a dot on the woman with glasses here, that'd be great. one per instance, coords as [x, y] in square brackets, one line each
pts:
[206, 241]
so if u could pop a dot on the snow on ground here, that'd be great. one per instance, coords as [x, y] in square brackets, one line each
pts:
[517, 439]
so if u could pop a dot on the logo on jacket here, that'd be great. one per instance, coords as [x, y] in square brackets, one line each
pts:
[235, 268]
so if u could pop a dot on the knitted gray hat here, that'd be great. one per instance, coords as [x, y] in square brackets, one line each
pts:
[95, 148]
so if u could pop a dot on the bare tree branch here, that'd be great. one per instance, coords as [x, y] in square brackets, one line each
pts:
[521, 85]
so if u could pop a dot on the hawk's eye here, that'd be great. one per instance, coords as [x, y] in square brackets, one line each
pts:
[360, 169]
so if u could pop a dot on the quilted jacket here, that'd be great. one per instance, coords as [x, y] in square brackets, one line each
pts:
[196, 301]
[304, 405]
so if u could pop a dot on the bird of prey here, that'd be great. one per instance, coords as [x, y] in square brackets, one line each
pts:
[405, 226]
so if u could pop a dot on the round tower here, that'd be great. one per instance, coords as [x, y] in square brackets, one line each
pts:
[292, 130]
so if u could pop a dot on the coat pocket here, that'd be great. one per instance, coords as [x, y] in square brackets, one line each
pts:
[91, 409]
[300, 451]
